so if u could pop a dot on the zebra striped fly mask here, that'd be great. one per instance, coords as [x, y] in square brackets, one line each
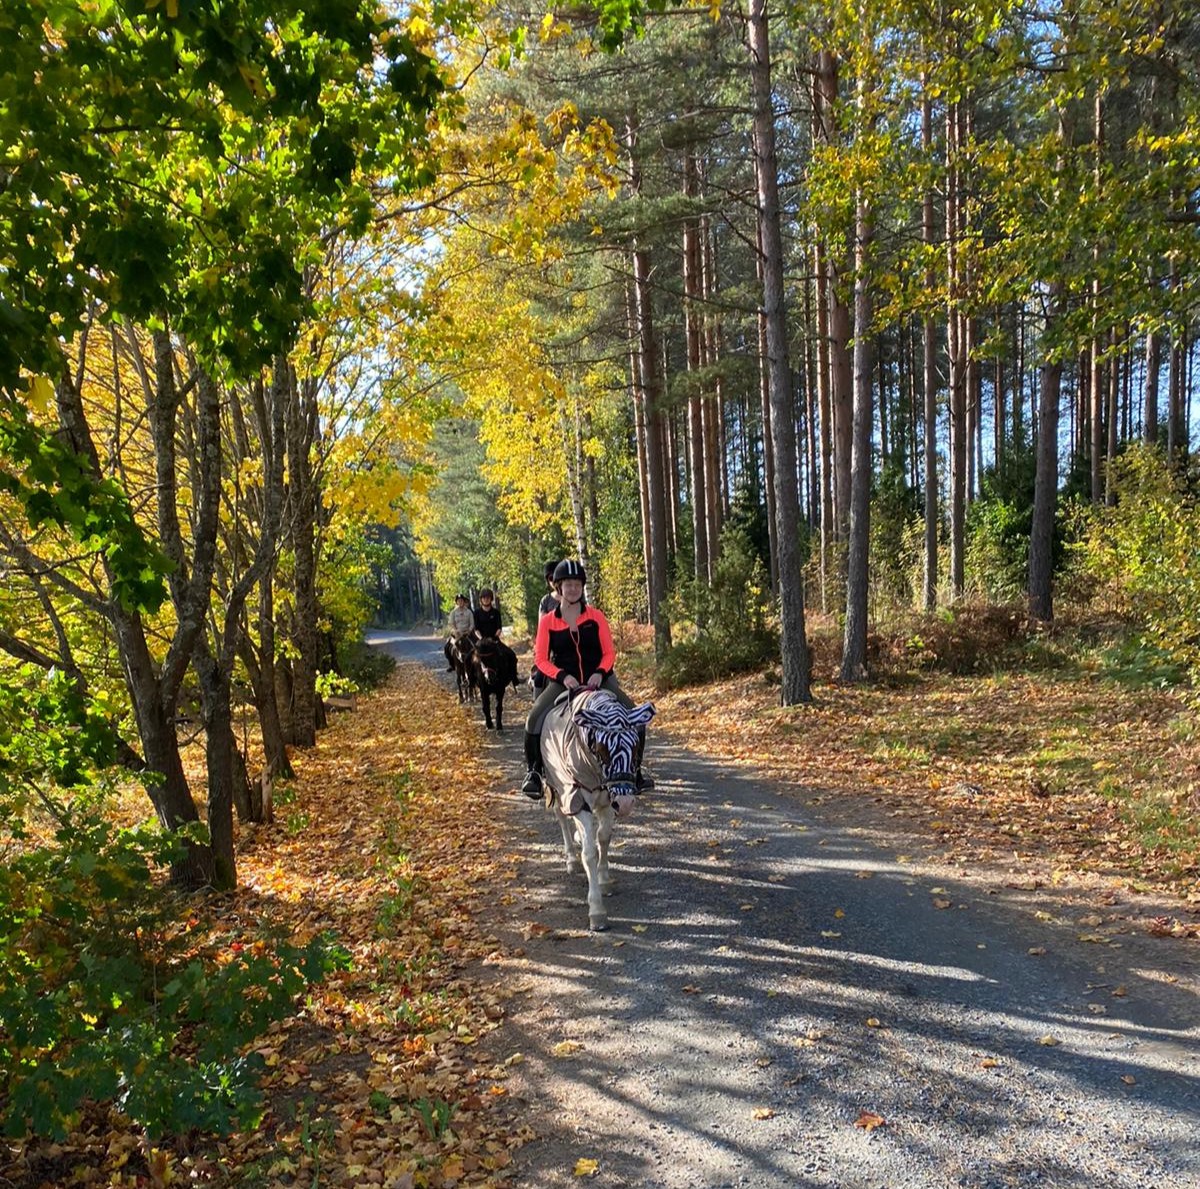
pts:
[611, 733]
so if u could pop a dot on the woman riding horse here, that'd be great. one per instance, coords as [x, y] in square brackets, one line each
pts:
[574, 648]
[462, 623]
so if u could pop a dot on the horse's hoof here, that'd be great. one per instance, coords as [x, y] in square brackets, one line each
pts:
[598, 924]
[574, 867]
[607, 889]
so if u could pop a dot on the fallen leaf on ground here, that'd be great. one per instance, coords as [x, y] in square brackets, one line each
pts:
[585, 1167]
[764, 1112]
[1049, 1041]
[868, 1121]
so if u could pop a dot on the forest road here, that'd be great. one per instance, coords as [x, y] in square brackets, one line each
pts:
[775, 981]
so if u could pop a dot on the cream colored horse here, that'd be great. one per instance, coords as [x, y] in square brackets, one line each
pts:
[589, 753]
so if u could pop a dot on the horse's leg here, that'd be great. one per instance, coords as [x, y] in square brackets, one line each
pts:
[487, 705]
[585, 827]
[570, 842]
[604, 828]
[500, 709]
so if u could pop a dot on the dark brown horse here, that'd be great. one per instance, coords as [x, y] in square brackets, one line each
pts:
[494, 669]
[462, 651]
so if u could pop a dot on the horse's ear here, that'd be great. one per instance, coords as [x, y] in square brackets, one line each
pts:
[642, 714]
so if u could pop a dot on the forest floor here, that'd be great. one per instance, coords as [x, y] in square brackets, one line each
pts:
[390, 1074]
[1084, 762]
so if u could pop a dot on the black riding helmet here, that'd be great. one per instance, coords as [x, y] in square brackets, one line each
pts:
[569, 569]
[486, 593]
[548, 569]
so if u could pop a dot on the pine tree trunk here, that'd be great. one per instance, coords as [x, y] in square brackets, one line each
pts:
[651, 390]
[639, 441]
[854, 641]
[929, 359]
[794, 686]
[692, 318]
[956, 346]
[1045, 498]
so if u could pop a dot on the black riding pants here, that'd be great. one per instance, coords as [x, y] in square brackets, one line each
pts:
[546, 699]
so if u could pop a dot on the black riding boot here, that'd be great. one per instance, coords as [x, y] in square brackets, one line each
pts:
[642, 780]
[532, 786]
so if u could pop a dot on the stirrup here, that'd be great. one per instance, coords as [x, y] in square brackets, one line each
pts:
[532, 785]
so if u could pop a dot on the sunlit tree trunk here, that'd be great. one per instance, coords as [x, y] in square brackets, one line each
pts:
[794, 686]
[841, 388]
[640, 445]
[651, 391]
[716, 482]
[1045, 498]
[930, 383]
[693, 332]
[854, 640]
[956, 351]
[764, 392]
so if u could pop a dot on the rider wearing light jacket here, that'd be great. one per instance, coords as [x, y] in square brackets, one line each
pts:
[461, 623]
[574, 647]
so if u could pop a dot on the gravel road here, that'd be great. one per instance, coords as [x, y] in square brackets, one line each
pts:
[778, 976]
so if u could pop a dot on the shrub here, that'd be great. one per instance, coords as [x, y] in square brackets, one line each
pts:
[998, 527]
[730, 619]
[1143, 554]
[897, 538]
[363, 668]
[103, 999]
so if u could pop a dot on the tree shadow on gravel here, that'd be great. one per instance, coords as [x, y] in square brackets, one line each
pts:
[772, 985]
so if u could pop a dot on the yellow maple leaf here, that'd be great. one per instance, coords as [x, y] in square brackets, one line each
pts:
[585, 1167]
